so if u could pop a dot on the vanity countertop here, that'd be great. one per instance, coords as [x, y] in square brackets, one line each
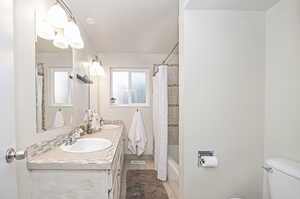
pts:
[57, 159]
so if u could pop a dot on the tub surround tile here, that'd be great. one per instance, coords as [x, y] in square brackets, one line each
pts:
[173, 95]
[173, 102]
[173, 75]
[173, 115]
[173, 135]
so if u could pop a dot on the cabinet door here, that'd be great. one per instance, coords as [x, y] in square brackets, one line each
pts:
[116, 188]
[117, 170]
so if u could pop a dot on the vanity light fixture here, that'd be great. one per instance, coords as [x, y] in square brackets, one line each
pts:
[60, 41]
[45, 30]
[72, 34]
[60, 26]
[96, 68]
[57, 16]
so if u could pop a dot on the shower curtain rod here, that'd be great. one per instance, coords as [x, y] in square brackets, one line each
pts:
[164, 62]
[67, 9]
[169, 55]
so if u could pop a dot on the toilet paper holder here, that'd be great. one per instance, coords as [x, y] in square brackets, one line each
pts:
[204, 153]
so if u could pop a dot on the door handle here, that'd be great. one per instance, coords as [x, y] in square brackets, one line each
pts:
[12, 154]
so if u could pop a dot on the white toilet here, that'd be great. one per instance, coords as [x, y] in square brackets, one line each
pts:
[284, 178]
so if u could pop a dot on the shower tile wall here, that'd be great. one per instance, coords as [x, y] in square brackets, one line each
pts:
[173, 104]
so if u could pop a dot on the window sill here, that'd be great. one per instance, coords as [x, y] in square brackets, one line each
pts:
[130, 105]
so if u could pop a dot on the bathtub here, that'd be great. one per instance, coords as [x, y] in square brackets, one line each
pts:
[173, 169]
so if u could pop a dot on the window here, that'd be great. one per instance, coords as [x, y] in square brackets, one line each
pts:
[130, 87]
[61, 87]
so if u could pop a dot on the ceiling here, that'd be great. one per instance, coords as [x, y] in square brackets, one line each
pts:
[231, 4]
[134, 26]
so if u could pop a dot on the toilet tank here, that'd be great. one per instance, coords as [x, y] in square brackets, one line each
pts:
[284, 179]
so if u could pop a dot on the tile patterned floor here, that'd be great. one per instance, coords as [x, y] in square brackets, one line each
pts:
[149, 165]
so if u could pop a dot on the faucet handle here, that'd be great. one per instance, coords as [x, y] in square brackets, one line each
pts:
[76, 134]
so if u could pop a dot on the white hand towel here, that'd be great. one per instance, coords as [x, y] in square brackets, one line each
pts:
[132, 136]
[137, 138]
[58, 120]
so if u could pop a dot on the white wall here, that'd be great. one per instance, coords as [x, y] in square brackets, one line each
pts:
[123, 113]
[282, 81]
[222, 102]
[24, 39]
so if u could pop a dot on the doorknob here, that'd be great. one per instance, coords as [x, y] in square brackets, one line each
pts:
[12, 155]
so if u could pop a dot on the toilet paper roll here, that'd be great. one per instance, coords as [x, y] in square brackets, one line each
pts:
[209, 161]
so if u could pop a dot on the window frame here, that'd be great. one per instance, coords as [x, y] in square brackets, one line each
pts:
[51, 83]
[130, 71]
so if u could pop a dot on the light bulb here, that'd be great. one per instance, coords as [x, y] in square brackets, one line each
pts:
[71, 30]
[72, 34]
[45, 30]
[57, 17]
[60, 41]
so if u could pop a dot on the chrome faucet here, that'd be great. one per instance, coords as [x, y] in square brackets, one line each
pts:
[72, 138]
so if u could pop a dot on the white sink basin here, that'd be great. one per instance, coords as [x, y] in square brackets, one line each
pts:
[87, 145]
[110, 126]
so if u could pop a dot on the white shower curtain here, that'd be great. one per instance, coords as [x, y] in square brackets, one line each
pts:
[160, 121]
[39, 107]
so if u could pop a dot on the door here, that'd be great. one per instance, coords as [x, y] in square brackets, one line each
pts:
[8, 185]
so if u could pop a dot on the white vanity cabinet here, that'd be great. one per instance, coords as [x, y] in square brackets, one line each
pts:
[115, 174]
[88, 180]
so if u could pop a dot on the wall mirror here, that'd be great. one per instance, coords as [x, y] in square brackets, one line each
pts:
[54, 86]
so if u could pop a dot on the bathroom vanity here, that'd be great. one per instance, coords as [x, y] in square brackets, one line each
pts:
[57, 174]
